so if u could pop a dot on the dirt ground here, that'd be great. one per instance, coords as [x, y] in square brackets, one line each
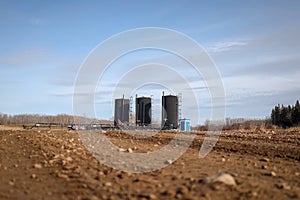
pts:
[53, 164]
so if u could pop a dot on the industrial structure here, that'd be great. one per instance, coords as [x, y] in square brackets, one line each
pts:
[121, 117]
[143, 112]
[169, 112]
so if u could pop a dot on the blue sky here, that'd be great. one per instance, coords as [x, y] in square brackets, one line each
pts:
[254, 44]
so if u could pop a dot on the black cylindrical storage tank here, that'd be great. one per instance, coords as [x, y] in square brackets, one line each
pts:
[143, 111]
[169, 112]
[121, 117]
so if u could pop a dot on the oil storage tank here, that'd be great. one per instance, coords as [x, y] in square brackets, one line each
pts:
[121, 117]
[169, 112]
[143, 111]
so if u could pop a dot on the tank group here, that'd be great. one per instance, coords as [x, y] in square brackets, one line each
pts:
[143, 113]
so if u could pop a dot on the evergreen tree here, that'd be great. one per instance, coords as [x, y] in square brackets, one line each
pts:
[286, 116]
[277, 115]
[296, 114]
[273, 116]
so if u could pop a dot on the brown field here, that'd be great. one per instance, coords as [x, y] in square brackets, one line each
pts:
[53, 164]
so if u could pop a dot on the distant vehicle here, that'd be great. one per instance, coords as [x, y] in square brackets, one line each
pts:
[72, 127]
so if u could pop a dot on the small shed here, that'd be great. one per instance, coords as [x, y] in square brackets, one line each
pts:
[185, 124]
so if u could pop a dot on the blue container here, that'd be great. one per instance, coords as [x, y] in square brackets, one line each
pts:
[185, 124]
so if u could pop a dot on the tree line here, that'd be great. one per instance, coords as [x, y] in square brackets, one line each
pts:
[239, 124]
[63, 119]
[286, 116]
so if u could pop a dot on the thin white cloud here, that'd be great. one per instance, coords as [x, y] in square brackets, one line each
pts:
[226, 46]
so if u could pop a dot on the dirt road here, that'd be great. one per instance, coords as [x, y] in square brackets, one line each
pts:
[53, 164]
